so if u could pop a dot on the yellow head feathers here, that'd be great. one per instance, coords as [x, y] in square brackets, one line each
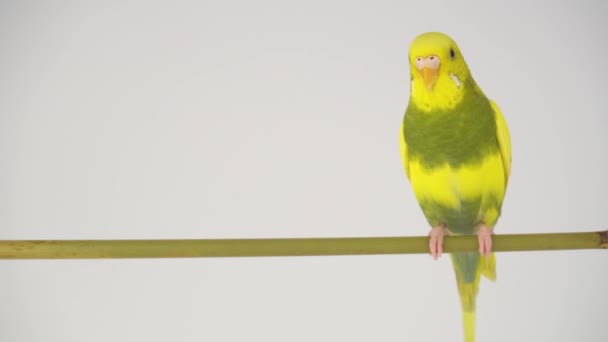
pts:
[438, 72]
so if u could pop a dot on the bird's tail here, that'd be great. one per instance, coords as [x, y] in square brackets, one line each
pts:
[469, 267]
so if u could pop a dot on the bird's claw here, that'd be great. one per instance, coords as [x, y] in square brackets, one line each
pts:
[484, 235]
[436, 240]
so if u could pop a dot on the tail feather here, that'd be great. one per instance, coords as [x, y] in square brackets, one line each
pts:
[469, 267]
[468, 320]
[488, 267]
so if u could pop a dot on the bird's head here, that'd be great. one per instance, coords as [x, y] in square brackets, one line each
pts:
[438, 71]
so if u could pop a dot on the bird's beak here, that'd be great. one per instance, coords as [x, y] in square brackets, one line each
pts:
[429, 76]
[428, 68]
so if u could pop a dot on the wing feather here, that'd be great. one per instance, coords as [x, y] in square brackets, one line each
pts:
[504, 140]
[404, 155]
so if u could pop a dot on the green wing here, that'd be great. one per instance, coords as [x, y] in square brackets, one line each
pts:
[404, 155]
[504, 140]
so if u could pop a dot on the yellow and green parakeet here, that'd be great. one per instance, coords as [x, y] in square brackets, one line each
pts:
[456, 151]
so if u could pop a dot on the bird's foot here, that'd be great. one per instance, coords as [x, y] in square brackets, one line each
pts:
[484, 235]
[436, 240]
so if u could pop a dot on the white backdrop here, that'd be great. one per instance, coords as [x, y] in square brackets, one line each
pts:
[245, 119]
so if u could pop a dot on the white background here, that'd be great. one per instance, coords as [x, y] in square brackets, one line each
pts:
[246, 119]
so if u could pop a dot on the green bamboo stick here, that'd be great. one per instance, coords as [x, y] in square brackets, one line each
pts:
[115, 249]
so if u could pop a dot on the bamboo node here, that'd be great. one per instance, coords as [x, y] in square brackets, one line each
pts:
[604, 239]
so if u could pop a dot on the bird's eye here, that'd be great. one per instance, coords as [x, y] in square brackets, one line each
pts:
[452, 54]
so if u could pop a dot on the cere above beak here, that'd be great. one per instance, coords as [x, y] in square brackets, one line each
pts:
[428, 68]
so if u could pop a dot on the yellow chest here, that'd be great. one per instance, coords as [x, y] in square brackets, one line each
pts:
[447, 187]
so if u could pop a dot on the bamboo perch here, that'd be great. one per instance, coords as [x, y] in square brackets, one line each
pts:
[115, 249]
